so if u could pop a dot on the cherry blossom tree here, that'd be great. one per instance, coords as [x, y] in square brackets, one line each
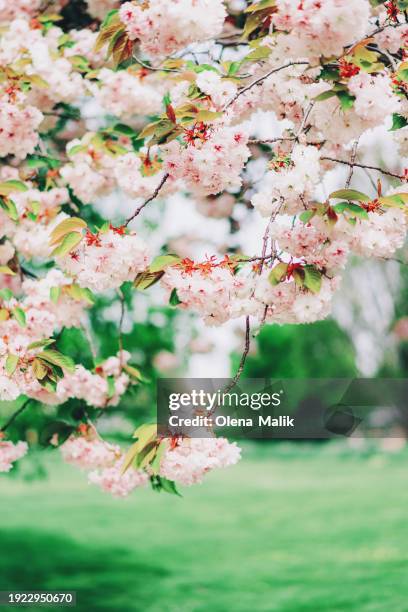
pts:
[174, 85]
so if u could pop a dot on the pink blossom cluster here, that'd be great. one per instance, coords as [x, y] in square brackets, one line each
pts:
[211, 290]
[38, 214]
[191, 458]
[82, 42]
[125, 94]
[11, 10]
[291, 183]
[9, 453]
[162, 28]
[287, 303]
[94, 387]
[378, 236]
[67, 309]
[90, 171]
[313, 243]
[218, 89]
[43, 316]
[321, 28]
[106, 260]
[93, 171]
[103, 461]
[392, 39]
[130, 178]
[375, 98]
[18, 127]
[37, 55]
[111, 480]
[212, 161]
[89, 452]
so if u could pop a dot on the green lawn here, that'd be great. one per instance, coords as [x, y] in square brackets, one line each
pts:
[308, 532]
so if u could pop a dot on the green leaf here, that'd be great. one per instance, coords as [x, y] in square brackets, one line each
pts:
[306, 216]
[278, 273]
[68, 244]
[134, 372]
[111, 17]
[207, 116]
[144, 435]
[155, 464]
[56, 358]
[10, 208]
[299, 277]
[169, 486]
[233, 68]
[174, 299]
[261, 52]
[325, 95]
[8, 187]
[111, 386]
[73, 224]
[163, 261]
[398, 122]
[329, 74]
[252, 23]
[357, 211]
[350, 194]
[55, 292]
[77, 149]
[7, 270]
[125, 130]
[40, 344]
[398, 200]
[11, 364]
[341, 207]
[6, 294]
[129, 457]
[346, 100]
[144, 280]
[259, 6]
[19, 316]
[312, 279]
[39, 369]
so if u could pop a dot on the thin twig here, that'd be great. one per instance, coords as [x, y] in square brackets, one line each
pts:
[260, 79]
[15, 415]
[265, 241]
[272, 140]
[120, 333]
[352, 163]
[251, 259]
[149, 199]
[356, 165]
[304, 120]
[370, 178]
[153, 68]
[384, 27]
[243, 357]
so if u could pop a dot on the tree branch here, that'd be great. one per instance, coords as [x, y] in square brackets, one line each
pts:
[149, 199]
[120, 333]
[15, 415]
[352, 163]
[364, 166]
[260, 79]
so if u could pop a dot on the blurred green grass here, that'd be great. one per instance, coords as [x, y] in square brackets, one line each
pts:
[310, 531]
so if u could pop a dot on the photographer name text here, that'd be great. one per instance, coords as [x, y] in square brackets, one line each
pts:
[228, 421]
